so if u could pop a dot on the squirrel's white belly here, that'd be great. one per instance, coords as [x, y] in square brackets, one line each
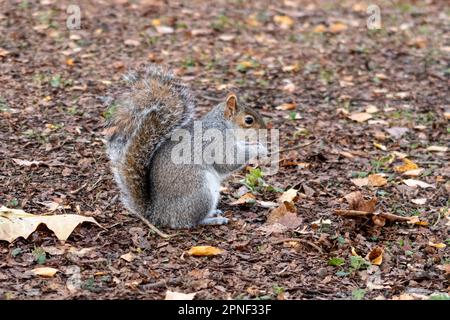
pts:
[213, 182]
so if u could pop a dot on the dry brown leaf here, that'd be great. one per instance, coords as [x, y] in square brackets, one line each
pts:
[337, 27]
[378, 221]
[289, 196]
[360, 182]
[204, 251]
[413, 173]
[360, 116]
[419, 201]
[45, 272]
[247, 198]
[286, 106]
[372, 109]
[406, 166]
[377, 180]
[437, 149]
[17, 223]
[172, 295]
[26, 163]
[284, 22]
[286, 215]
[357, 202]
[320, 29]
[417, 221]
[417, 183]
[129, 257]
[376, 256]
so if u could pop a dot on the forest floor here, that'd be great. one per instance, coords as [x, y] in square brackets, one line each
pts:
[360, 100]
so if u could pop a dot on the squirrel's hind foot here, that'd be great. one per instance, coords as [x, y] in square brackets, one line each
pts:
[209, 221]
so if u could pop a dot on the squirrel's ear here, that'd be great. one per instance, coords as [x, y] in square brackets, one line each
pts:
[230, 105]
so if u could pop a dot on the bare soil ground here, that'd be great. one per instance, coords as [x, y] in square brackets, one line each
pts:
[319, 56]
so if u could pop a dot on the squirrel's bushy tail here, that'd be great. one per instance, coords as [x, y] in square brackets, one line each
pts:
[155, 106]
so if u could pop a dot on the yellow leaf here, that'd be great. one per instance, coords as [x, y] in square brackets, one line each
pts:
[156, 22]
[406, 166]
[360, 116]
[320, 29]
[204, 251]
[377, 180]
[417, 221]
[247, 198]
[70, 62]
[353, 252]
[286, 106]
[376, 256]
[17, 223]
[283, 21]
[288, 196]
[45, 271]
[337, 27]
[172, 295]
[437, 245]
[380, 146]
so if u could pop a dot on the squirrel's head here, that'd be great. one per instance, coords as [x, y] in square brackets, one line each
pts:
[241, 115]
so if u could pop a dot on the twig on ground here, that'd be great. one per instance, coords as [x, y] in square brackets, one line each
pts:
[152, 227]
[299, 240]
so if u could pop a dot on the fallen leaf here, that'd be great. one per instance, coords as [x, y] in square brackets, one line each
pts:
[267, 204]
[273, 228]
[380, 146]
[406, 166]
[289, 196]
[286, 106]
[204, 251]
[419, 201]
[3, 52]
[284, 22]
[436, 245]
[360, 182]
[286, 215]
[132, 42]
[226, 37]
[417, 183]
[172, 295]
[320, 29]
[337, 27]
[129, 257]
[164, 29]
[437, 149]
[379, 221]
[17, 223]
[377, 180]
[247, 198]
[397, 132]
[357, 202]
[416, 220]
[372, 109]
[26, 163]
[376, 256]
[413, 173]
[360, 116]
[45, 272]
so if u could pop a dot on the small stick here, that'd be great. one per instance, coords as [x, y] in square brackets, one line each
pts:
[299, 240]
[152, 227]
[79, 189]
[296, 147]
[351, 213]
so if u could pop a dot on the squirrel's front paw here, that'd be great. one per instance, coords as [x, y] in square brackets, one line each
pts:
[214, 221]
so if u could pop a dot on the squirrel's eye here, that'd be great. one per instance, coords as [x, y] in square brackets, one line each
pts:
[249, 120]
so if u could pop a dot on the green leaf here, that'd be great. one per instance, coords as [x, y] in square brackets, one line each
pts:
[358, 263]
[40, 256]
[16, 251]
[443, 296]
[336, 262]
[358, 294]
[55, 82]
[342, 273]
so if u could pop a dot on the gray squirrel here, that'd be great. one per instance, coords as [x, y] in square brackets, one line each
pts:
[141, 148]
